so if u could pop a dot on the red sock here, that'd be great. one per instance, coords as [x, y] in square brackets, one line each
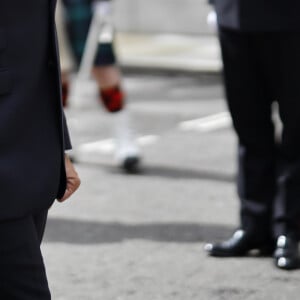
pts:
[112, 98]
[65, 93]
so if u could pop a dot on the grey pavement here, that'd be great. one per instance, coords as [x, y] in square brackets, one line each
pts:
[169, 52]
[156, 16]
[141, 237]
[169, 35]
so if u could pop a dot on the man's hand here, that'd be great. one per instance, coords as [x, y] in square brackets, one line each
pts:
[73, 181]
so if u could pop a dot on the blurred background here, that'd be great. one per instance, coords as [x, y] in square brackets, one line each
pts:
[173, 16]
[136, 228]
[171, 32]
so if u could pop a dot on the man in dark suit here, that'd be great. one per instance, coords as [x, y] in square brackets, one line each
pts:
[34, 169]
[260, 42]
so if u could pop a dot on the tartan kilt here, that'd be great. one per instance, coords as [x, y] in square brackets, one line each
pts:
[79, 15]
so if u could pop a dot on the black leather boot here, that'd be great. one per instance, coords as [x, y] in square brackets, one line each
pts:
[240, 244]
[286, 255]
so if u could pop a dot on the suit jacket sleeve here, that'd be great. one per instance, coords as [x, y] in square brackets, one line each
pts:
[67, 140]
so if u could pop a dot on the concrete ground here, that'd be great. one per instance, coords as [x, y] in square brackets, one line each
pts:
[172, 36]
[171, 52]
[141, 237]
[156, 16]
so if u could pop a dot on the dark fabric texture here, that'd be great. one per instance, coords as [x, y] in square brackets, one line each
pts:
[258, 15]
[105, 55]
[260, 69]
[22, 271]
[33, 132]
[79, 15]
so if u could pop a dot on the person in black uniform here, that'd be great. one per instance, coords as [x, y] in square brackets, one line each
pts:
[260, 43]
[34, 170]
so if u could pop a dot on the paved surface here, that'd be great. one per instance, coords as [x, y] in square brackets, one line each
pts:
[177, 16]
[169, 52]
[141, 237]
[169, 36]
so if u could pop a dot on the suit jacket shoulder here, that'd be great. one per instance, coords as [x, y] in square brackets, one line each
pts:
[259, 15]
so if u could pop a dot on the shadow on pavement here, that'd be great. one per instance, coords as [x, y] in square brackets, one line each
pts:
[86, 232]
[168, 172]
[176, 173]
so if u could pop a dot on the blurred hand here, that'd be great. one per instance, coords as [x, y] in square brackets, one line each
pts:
[73, 181]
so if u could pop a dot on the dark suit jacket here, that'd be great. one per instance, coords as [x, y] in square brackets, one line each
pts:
[258, 15]
[33, 132]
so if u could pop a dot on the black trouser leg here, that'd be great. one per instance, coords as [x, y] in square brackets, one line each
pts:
[40, 221]
[287, 69]
[250, 105]
[22, 271]
[259, 68]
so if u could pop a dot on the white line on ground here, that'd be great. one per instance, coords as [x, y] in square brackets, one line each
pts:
[206, 124]
[108, 146]
[209, 123]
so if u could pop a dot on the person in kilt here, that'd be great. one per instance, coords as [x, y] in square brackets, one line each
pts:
[78, 16]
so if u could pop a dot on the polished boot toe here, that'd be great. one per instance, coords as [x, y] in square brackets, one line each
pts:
[239, 245]
[286, 255]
